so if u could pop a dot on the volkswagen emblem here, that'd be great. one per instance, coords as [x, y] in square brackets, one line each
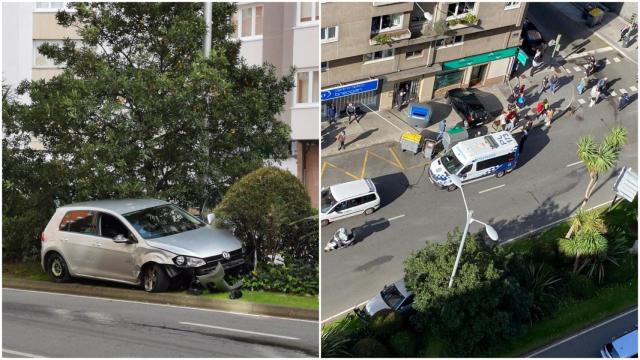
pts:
[226, 255]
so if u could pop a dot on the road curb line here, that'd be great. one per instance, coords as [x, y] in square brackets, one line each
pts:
[241, 307]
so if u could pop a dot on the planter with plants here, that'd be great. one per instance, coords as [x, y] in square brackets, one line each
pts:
[388, 38]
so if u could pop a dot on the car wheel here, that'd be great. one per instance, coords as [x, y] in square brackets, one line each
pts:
[500, 174]
[57, 268]
[451, 188]
[369, 211]
[155, 279]
[324, 222]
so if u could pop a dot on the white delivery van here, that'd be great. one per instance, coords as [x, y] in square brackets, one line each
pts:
[348, 199]
[493, 154]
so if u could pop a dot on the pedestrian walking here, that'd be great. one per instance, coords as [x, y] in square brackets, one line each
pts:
[582, 85]
[503, 121]
[528, 124]
[331, 113]
[536, 62]
[624, 100]
[595, 95]
[525, 135]
[554, 83]
[351, 111]
[441, 128]
[602, 84]
[341, 137]
[522, 89]
[624, 32]
[549, 118]
[509, 126]
[545, 84]
[539, 109]
[520, 101]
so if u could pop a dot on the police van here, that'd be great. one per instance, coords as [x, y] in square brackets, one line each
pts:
[493, 154]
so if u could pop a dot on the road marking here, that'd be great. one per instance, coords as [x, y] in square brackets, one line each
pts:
[613, 93]
[583, 332]
[577, 68]
[164, 305]
[417, 166]
[382, 117]
[240, 331]
[575, 163]
[567, 70]
[342, 312]
[589, 52]
[622, 91]
[395, 217]
[608, 62]
[20, 353]
[633, 88]
[393, 153]
[324, 167]
[581, 101]
[364, 164]
[489, 189]
[343, 170]
[616, 59]
[386, 160]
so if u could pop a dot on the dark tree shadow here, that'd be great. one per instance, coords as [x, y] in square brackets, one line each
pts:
[363, 135]
[369, 228]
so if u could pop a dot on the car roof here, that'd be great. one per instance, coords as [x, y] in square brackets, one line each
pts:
[122, 206]
[484, 146]
[351, 189]
[627, 345]
[400, 285]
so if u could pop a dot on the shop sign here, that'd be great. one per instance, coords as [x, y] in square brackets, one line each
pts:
[351, 89]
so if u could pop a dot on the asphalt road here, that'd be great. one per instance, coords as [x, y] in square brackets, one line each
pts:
[587, 343]
[56, 325]
[547, 186]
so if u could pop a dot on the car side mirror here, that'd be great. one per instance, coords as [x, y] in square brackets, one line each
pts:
[121, 239]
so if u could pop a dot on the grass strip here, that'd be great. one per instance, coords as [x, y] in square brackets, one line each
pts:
[271, 298]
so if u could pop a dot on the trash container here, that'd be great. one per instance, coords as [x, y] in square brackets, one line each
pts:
[454, 136]
[419, 115]
[595, 17]
[410, 141]
[429, 148]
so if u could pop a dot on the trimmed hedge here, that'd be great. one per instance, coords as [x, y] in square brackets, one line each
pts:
[295, 277]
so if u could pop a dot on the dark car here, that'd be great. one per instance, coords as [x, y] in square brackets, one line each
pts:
[466, 103]
[531, 38]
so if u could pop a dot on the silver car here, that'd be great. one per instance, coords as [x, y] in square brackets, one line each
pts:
[395, 297]
[143, 242]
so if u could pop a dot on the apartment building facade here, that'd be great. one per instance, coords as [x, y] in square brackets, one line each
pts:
[286, 35]
[372, 50]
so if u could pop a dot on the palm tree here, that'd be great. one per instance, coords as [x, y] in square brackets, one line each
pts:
[588, 239]
[599, 159]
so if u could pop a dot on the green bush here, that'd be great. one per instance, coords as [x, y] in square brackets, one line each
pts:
[403, 344]
[546, 251]
[295, 277]
[580, 286]
[369, 348]
[386, 322]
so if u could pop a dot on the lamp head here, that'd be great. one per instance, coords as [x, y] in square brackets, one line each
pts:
[491, 232]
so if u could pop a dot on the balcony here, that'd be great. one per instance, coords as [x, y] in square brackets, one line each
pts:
[389, 37]
[422, 20]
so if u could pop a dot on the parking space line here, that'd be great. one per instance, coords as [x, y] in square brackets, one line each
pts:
[633, 88]
[395, 217]
[383, 159]
[622, 91]
[364, 164]
[575, 163]
[393, 153]
[417, 166]
[613, 93]
[490, 189]
[240, 331]
[343, 170]
[324, 167]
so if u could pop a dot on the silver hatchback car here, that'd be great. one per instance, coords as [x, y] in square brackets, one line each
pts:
[142, 242]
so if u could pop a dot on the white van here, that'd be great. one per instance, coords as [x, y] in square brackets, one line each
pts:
[473, 159]
[348, 199]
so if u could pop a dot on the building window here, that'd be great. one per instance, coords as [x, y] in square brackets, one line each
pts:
[46, 6]
[448, 78]
[379, 55]
[248, 22]
[511, 5]
[413, 54]
[307, 87]
[324, 65]
[460, 9]
[41, 61]
[386, 23]
[329, 34]
[308, 13]
[450, 41]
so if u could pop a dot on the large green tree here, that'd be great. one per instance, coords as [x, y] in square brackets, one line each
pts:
[126, 118]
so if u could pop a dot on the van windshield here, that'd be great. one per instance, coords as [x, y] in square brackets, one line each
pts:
[392, 296]
[327, 201]
[451, 162]
[162, 221]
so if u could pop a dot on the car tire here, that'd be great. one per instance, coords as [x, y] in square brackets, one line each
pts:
[369, 211]
[451, 188]
[57, 268]
[155, 279]
[324, 222]
[500, 174]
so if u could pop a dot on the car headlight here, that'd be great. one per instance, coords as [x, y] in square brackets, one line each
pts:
[188, 261]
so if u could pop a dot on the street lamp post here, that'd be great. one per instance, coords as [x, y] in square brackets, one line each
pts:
[488, 228]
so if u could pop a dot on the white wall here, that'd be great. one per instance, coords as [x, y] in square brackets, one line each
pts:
[251, 51]
[17, 43]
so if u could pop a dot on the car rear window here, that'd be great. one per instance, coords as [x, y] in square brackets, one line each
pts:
[79, 221]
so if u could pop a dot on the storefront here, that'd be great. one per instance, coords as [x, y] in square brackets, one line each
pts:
[365, 93]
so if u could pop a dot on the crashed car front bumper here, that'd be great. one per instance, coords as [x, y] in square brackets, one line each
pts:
[216, 279]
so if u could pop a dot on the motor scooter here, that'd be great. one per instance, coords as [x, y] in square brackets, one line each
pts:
[341, 239]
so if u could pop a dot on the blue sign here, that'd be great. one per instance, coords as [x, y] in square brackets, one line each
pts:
[346, 90]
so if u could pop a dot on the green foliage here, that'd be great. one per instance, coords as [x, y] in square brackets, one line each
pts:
[617, 250]
[386, 322]
[270, 211]
[369, 348]
[126, 117]
[384, 39]
[470, 18]
[403, 344]
[335, 340]
[580, 286]
[441, 27]
[540, 280]
[453, 22]
[295, 277]
[485, 306]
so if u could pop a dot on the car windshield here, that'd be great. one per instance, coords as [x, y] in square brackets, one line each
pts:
[612, 351]
[451, 162]
[392, 296]
[327, 200]
[162, 221]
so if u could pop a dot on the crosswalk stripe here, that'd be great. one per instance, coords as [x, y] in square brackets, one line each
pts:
[608, 62]
[613, 93]
[577, 68]
[633, 88]
[567, 70]
[616, 59]
[581, 101]
[623, 91]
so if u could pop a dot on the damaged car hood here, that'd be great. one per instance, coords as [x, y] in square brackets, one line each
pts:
[203, 242]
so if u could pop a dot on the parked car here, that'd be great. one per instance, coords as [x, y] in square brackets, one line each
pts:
[465, 102]
[348, 199]
[531, 38]
[626, 346]
[142, 242]
[395, 297]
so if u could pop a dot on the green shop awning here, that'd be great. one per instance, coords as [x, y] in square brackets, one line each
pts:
[479, 59]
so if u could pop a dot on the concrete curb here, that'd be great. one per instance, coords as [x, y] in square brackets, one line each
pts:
[164, 299]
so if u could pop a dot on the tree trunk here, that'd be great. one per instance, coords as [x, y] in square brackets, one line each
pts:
[593, 178]
[575, 264]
